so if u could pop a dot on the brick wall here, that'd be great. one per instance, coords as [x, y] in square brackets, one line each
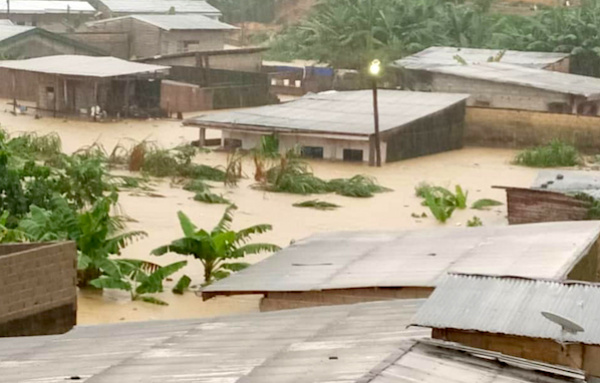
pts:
[38, 294]
[520, 128]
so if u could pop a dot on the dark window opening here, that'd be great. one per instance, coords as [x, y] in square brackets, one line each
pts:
[49, 89]
[312, 152]
[353, 155]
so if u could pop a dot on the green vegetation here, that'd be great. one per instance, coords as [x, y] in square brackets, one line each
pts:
[317, 204]
[556, 153]
[196, 186]
[593, 205]
[219, 249]
[233, 170]
[182, 284]
[441, 201]
[482, 204]
[474, 222]
[176, 162]
[350, 33]
[211, 198]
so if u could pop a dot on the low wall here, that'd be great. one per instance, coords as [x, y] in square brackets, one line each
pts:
[274, 301]
[38, 294]
[518, 128]
[181, 97]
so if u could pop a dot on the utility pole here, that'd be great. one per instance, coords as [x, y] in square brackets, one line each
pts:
[374, 70]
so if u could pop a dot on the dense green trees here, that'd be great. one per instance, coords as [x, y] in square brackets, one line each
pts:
[348, 33]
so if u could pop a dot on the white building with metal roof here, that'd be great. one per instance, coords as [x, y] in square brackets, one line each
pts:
[347, 267]
[52, 15]
[114, 8]
[339, 125]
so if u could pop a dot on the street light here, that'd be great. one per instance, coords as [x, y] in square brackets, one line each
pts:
[374, 71]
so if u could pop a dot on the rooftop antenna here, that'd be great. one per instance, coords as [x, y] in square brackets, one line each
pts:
[567, 326]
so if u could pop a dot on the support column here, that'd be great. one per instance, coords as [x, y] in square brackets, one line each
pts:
[202, 138]
[127, 98]
[14, 91]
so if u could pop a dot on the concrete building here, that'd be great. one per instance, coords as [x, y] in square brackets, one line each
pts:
[555, 195]
[363, 343]
[339, 125]
[20, 42]
[152, 35]
[52, 15]
[116, 8]
[547, 321]
[70, 85]
[242, 59]
[351, 267]
[39, 292]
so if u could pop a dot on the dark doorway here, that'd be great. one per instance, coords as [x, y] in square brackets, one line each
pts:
[353, 155]
[312, 152]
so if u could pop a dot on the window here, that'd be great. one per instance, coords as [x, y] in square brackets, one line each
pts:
[312, 151]
[189, 45]
[353, 155]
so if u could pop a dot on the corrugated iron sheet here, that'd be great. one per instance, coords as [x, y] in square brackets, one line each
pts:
[160, 6]
[431, 362]
[329, 344]
[416, 258]
[569, 182]
[47, 6]
[76, 65]
[337, 112]
[177, 22]
[552, 81]
[444, 56]
[8, 30]
[513, 306]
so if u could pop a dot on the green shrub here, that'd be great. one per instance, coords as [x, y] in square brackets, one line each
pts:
[556, 153]
[481, 204]
[317, 204]
[474, 222]
[211, 198]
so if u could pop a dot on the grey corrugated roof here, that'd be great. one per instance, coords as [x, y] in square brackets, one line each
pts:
[435, 362]
[160, 6]
[47, 6]
[78, 65]
[569, 182]
[327, 344]
[336, 112]
[444, 56]
[513, 306]
[175, 22]
[5, 22]
[528, 77]
[416, 258]
[8, 31]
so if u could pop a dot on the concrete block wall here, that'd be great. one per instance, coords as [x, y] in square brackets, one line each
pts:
[38, 294]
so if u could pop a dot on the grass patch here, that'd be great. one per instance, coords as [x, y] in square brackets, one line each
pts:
[556, 153]
[484, 203]
[211, 198]
[317, 204]
[196, 186]
[474, 222]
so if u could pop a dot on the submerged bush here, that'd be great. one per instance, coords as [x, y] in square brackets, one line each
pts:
[556, 153]
[317, 204]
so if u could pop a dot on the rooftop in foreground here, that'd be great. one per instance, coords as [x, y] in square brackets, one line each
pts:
[444, 56]
[345, 113]
[419, 258]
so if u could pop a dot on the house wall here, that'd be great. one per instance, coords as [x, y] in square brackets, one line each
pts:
[245, 62]
[38, 294]
[511, 128]
[53, 22]
[26, 85]
[36, 45]
[115, 44]
[173, 41]
[181, 97]
[333, 148]
[563, 65]
[274, 301]
[533, 206]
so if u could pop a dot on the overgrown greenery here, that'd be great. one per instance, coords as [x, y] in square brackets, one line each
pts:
[482, 204]
[209, 197]
[441, 201]
[350, 33]
[556, 153]
[219, 249]
[317, 204]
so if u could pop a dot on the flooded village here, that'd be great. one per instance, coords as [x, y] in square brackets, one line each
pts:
[215, 191]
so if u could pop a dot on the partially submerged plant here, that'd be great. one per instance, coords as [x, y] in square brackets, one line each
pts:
[482, 204]
[209, 197]
[441, 201]
[556, 153]
[317, 204]
[474, 222]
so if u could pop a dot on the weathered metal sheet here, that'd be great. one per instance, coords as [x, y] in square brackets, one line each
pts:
[416, 258]
[569, 182]
[513, 306]
[330, 344]
[8, 31]
[336, 112]
[444, 56]
[77, 65]
[177, 22]
[436, 362]
[46, 6]
[160, 6]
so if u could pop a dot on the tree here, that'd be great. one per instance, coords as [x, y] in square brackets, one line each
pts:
[217, 249]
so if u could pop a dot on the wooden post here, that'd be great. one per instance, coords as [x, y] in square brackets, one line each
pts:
[202, 138]
[14, 91]
[95, 109]
[376, 118]
[127, 97]
[56, 86]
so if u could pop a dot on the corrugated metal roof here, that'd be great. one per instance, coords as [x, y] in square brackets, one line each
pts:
[8, 31]
[558, 82]
[175, 22]
[336, 112]
[569, 182]
[444, 56]
[435, 362]
[47, 6]
[513, 306]
[327, 344]
[160, 6]
[5, 22]
[77, 65]
[416, 258]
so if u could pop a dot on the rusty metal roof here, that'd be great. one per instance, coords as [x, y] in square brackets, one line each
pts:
[345, 113]
[415, 258]
[514, 306]
[328, 344]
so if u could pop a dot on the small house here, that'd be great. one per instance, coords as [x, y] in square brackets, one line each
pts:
[351, 267]
[86, 86]
[116, 8]
[53, 15]
[340, 126]
[151, 35]
[554, 322]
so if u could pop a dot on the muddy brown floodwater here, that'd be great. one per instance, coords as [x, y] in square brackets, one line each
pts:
[475, 169]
